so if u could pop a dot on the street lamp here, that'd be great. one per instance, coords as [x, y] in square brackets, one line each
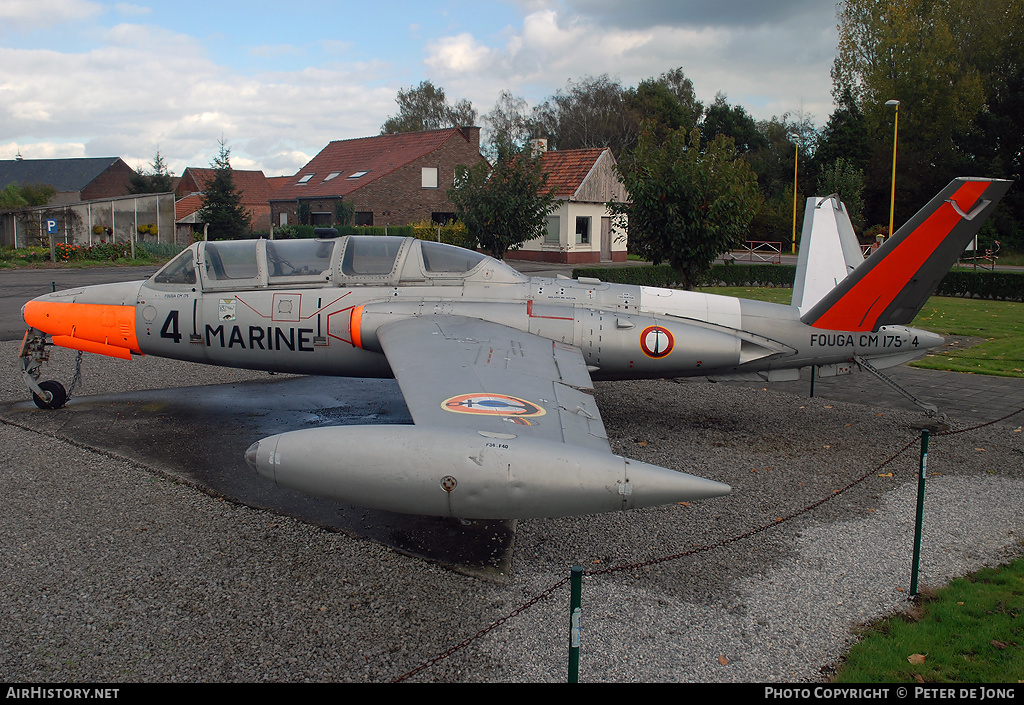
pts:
[895, 133]
[796, 164]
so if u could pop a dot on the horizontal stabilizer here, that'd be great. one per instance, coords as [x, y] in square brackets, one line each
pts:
[892, 285]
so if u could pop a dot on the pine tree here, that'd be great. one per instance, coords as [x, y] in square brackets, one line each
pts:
[222, 203]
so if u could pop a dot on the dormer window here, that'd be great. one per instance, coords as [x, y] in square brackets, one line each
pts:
[305, 178]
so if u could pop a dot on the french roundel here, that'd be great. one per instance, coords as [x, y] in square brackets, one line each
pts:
[657, 342]
[491, 405]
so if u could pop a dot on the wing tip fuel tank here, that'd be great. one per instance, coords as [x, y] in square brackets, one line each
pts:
[466, 474]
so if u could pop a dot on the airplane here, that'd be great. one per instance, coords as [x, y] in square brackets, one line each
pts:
[497, 367]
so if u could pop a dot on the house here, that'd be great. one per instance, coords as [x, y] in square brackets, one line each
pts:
[580, 230]
[394, 179]
[75, 180]
[254, 187]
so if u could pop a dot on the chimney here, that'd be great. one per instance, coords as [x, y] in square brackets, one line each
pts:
[538, 146]
[472, 134]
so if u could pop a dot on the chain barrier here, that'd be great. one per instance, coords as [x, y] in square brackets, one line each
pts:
[76, 379]
[694, 551]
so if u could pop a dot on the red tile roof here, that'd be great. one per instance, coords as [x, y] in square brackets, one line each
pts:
[332, 171]
[254, 187]
[187, 206]
[567, 168]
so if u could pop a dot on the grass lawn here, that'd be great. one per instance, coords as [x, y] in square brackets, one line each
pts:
[1000, 323]
[971, 631]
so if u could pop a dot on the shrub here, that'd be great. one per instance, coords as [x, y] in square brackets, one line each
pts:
[453, 232]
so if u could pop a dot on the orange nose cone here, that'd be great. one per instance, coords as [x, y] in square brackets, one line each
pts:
[98, 328]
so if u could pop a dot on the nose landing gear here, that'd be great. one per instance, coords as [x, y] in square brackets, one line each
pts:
[48, 394]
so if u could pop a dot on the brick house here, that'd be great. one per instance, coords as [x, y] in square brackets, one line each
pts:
[581, 229]
[75, 180]
[254, 187]
[394, 179]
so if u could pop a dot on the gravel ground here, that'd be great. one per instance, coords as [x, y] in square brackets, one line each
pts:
[115, 573]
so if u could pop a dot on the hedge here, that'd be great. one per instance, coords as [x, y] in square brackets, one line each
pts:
[1006, 286]
[284, 232]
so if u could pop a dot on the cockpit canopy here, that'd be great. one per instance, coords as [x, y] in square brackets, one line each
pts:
[356, 260]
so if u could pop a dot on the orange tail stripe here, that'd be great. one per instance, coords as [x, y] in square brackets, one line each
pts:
[862, 305]
[107, 325]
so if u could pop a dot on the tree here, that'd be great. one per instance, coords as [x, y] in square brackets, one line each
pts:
[844, 178]
[222, 203]
[653, 101]
[732, 121]
[687, 204]
[505, 206]
[157, 180]
[426, 108]
[591, 112]
[508, 123]
[682, 88]
[11, 198]
[910, 51]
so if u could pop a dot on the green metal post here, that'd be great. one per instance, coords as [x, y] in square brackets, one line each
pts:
[575, 593]
[920, 512]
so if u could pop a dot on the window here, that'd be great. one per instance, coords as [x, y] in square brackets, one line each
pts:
[583, 231]
[551, 234]
[439, 257]
[294, 258]
[363, 218]
[180, 270]
[358, 174]
[231, 260]
[305, 178]
[332, 175]
[368, 254]
[428, 177]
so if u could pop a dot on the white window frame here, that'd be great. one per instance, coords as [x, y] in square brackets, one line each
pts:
[428, 177]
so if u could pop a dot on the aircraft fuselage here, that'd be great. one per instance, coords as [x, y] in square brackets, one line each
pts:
[329, 328]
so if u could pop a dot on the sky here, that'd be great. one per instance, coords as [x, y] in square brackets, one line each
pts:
[277, 81]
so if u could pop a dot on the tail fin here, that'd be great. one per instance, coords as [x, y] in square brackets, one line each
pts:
[829, 251]
[892, 285]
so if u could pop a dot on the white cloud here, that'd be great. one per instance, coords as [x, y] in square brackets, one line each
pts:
[31, 14]
[144, 86]
[767, 67]
[43, 150]
[132, 10]
[459, 54]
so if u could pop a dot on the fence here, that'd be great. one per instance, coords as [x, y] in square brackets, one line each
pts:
[139, 218]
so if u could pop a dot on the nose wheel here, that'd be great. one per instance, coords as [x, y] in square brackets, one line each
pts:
[53, 395]
[48, 394]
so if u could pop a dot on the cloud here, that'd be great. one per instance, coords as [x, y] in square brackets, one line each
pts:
[30, 14]
[142, 87]
[770, 66]
[132, 10]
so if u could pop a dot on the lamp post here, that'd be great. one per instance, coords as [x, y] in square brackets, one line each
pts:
[895, 133]
[796, 164]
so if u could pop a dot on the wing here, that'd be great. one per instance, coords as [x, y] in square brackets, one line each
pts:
[458, 372]
[504, 429]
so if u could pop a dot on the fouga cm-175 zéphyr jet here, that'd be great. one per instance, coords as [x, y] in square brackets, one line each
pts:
[495, 366]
